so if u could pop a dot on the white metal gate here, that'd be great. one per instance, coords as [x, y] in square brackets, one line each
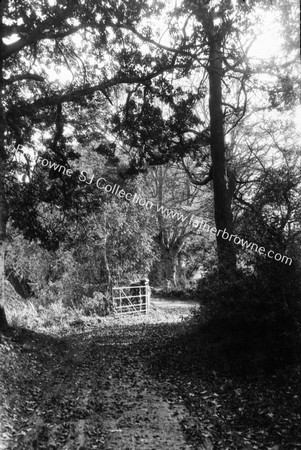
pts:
[131, 299]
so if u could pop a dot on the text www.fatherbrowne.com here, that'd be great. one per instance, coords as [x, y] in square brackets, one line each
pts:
[201, 225]
[198, 225]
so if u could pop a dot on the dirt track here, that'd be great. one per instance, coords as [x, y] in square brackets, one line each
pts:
[137, 383]
[171, 303]
[90, 390]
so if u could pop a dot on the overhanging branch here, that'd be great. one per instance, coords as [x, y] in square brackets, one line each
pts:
[35, 37]
[25, 76]
[89, 90]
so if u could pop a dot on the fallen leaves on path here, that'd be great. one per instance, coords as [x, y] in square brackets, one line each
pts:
[136, 383]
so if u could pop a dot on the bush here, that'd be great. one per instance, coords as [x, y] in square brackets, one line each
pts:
[249, 322]
[97, 305]
[175, 293]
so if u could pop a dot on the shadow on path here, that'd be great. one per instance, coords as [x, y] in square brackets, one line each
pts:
[88, 390]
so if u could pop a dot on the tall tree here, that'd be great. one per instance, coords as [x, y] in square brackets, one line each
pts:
[206, 42]
[40, 37]
[3, 206]
[176, 204]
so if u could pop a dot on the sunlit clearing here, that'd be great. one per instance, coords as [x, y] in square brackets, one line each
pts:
[268, 43]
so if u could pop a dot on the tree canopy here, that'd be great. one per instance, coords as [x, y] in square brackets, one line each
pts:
[127, 88]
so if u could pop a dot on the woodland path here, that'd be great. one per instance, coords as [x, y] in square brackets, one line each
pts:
[137, 383]
[88, 390]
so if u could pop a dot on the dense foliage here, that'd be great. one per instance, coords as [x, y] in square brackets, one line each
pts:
[197, 125]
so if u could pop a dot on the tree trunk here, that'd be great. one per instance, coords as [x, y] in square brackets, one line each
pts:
[170, 246]
[3, 320]
[169, 260]
[109, 281]
[181, 273]
[20, 286]
[105, 256]
[222, 202]
[3, 206]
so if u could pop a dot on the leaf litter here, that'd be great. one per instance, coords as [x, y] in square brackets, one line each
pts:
[140, 382]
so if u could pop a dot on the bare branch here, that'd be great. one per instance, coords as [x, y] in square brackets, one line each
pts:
[26, 76]
[243, 202]
[194, 180]
[157, 44]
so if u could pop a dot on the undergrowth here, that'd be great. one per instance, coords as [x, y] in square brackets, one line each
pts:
[59, 318]
[248, 323]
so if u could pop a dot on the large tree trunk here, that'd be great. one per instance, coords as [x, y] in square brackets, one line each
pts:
[3, 321]
[170, 246]
[222, 201]
[3, 206]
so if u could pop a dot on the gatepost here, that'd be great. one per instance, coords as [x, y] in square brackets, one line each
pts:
[145, 282]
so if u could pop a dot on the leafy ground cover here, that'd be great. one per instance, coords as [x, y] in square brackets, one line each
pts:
[140, 382]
